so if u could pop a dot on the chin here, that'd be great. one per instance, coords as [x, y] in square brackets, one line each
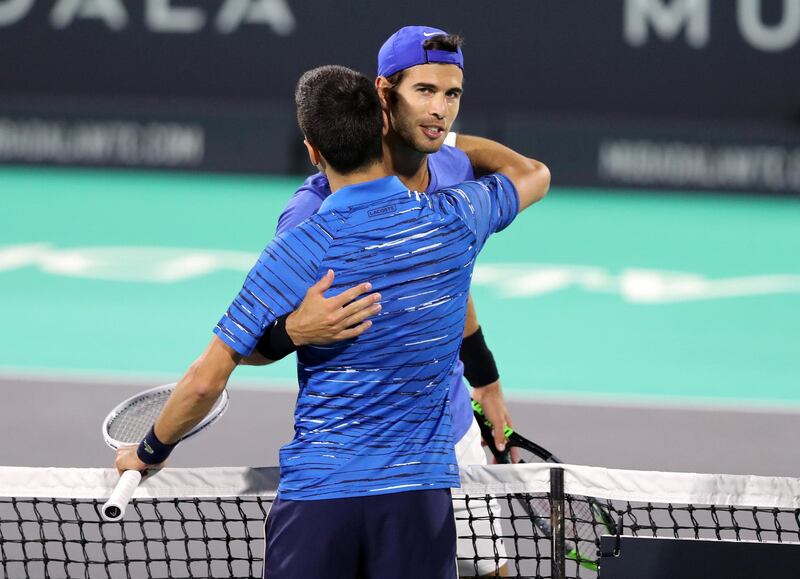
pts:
[429, 146]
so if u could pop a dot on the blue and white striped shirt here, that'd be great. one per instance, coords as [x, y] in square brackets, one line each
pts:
[447, 167]
[372, 413]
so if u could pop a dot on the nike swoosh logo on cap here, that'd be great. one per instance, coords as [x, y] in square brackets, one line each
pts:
[430, 33]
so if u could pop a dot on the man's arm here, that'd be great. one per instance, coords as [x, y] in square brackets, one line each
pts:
[481, 372]
[274, 285]
[191, 400]
[530, 177]
[318, 320]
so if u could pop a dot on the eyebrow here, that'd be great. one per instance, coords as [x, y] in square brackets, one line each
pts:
[455, 89]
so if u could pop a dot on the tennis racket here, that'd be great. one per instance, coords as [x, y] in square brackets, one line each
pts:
[585, 514]
[128, 423]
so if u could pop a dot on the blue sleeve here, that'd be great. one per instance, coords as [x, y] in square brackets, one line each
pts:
[449, 166]
[275, 285]
[487, 205]
[304, 203]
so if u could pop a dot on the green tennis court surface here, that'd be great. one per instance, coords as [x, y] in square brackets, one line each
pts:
[589, 295]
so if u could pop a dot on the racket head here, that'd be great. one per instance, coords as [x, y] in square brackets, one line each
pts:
[130, 420]
[587, 518]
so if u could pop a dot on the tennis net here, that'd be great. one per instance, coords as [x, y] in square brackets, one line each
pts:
[539, 520]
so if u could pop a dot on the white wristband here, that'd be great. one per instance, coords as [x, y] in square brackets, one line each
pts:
[450, 139]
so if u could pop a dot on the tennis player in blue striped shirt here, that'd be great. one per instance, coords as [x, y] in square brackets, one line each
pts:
[364, 488]
[421, 100]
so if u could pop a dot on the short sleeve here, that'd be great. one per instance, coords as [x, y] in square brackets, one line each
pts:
[447, 167]
[304, 203]
[487, 205]
[275, 285]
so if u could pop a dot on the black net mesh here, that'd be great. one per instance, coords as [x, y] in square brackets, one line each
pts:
[223, 537]
[523, 527]
[220, 537]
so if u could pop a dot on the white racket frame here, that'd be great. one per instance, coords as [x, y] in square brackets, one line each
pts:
[114, 508]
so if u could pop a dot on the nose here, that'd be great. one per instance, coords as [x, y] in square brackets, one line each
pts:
[438, 107]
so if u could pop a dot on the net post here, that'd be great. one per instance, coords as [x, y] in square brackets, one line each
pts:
[557, 544]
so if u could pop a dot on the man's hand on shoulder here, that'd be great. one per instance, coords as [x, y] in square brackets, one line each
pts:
[317, 321]
[320, 320]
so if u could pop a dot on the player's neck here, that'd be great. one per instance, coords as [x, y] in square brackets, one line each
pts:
[370, 173]
[410, 166]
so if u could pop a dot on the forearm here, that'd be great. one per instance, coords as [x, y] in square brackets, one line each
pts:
[480, 369]
[487, 156]
[471, 323]
[255, 359]
[196, 392]
[530, 177]
[187, 406]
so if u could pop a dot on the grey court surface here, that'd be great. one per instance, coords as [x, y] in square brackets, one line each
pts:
[50, 422]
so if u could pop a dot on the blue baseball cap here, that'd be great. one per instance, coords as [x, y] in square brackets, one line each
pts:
[404, 49]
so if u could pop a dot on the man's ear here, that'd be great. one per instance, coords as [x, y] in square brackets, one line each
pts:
[385, 115]
[313, 154]
[383, 86]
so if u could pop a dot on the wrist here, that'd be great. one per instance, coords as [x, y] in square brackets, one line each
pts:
[276, 343]
[292, 330]
[151, 450]
[480, 369]
[486, 393]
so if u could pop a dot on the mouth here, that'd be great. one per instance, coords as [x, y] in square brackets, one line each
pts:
[433, 131]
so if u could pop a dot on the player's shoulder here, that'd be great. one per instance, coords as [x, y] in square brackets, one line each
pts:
[478, 191]
[316, 186]
[485, 184]
[448, 166]
[305, 202]
[309, 238]
[449, 156]
[313, 222]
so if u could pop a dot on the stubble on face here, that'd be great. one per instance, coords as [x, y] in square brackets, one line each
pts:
[405, 125]
[425, 104]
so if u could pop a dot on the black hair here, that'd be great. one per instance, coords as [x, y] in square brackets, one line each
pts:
[339, 113]
[445, 42]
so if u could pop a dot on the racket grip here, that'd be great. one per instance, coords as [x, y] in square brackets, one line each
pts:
[114, 508]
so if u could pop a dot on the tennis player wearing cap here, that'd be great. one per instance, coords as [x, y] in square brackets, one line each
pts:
[420, 78]
[365, 483]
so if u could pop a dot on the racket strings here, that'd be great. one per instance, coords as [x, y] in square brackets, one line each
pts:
[132, 422]
[586, 520]
[583, 526]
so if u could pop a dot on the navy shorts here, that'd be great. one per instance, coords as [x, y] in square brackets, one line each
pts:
[399, 535]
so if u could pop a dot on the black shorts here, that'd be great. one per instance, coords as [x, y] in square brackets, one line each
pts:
[399, 535]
